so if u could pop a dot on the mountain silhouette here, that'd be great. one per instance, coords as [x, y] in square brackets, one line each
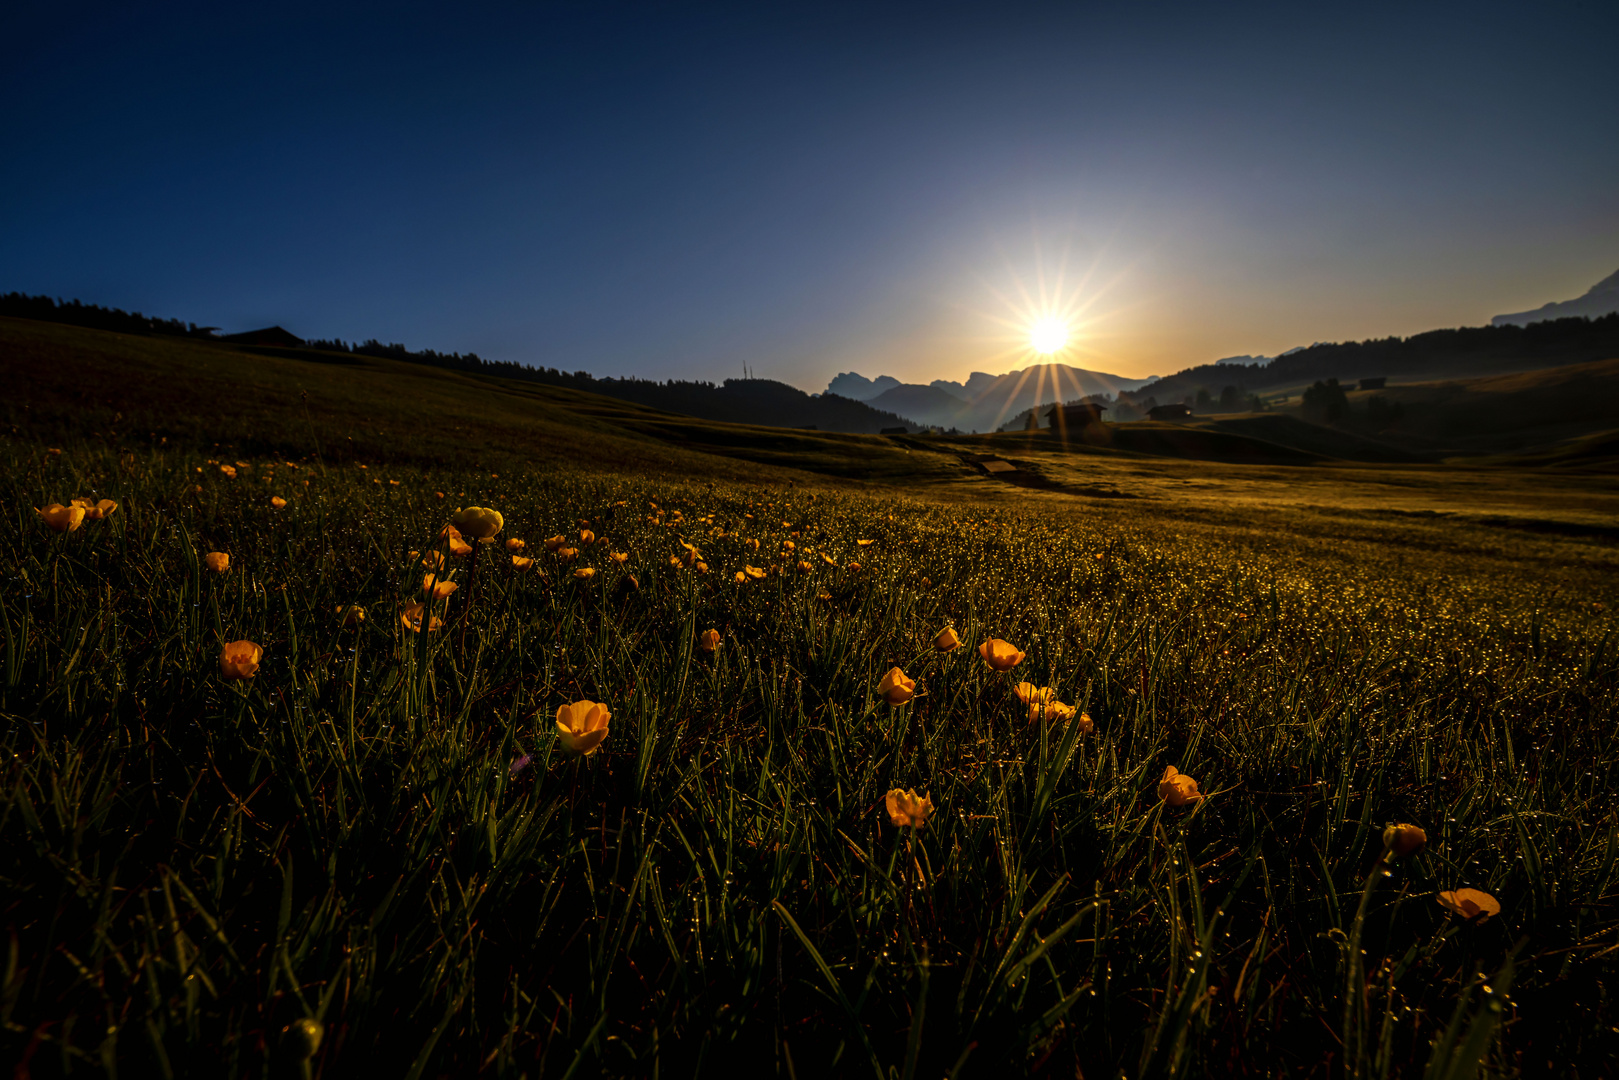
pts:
[1601, 299]
[984, 401]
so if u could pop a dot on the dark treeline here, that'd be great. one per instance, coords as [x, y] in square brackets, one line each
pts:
[736, 401]
[1471, 350]
[73, 312]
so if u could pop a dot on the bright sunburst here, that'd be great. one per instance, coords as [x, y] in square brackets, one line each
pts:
[1048, 336]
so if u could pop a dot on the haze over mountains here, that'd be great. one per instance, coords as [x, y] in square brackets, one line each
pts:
[1599, 300]
[984, 401]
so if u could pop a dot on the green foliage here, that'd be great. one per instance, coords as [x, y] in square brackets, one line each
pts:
[379, 833]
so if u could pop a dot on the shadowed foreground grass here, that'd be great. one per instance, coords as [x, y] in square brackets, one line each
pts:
[378, 832]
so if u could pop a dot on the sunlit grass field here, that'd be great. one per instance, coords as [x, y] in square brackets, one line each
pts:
[375, 856]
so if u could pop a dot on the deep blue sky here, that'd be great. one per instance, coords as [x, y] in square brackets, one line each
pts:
[673, 190]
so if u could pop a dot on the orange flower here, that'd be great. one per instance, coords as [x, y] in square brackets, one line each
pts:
[865, 543]
[1052, 709]
[459, 546]
[946, 640]
[96, 511]
[228, 470]
[567, 554]
[439, 589]
[522, 562]
[752, 545]
[411, 617]
[586, 537]
[788, 545]
[1177, 789]
[478, 522]
[904, 808]
[823, 595]
[239, 660]
[554, 542]
[433, 560]
[1030, 694]
[619, 556]
[687, 556]
[585, 573]
[895, 688]
[998, 654]
[804, 567]
[581, 727]
[852, 567]
[709, 640]
[1402, 840]
[829, 560]
[217, 561]
[514, 544]
[62, 518]
[754, 572]
[350, 615]
[741, 578]
[1470, 903]
[277, 501]
[701, 567]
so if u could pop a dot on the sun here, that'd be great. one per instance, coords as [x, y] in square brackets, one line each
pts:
[1048, 336]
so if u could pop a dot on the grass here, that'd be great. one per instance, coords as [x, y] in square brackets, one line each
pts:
[379, 835]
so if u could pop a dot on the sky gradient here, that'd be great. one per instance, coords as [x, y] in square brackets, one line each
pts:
[674, 191]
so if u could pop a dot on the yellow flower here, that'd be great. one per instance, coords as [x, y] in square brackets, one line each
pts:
[581, 727]
[946, 640]
[567, 554]
[478, 522]
[62, 518]
[522, 562]
[277, 501]
[687, 556]
[228, 470]
[788, 545]
[350, 614]
[1402, 840]
[96, 511]
[1177, 789]
[1052, 709]
[895, 688]
[904, 808]
[585, 573]
[619, 556]
[865, 543]
[554, 542]
[709, 640]
[239, 660]
[433, 560]
[701, 567]
[514, 544]
[829, 560]
[459, 546]
[1470, 903]
[217, 561]
[998, 654]
[586, 537]
[411, 617]
[741, 578]
[754, 572]
[1030, 694]
[439, 589]
[752, 545]
[804, 567]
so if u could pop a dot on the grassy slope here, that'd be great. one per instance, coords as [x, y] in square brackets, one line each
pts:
[191, 865]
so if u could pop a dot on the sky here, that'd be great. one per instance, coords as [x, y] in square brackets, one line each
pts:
[682, 190]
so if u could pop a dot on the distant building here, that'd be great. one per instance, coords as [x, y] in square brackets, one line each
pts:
[1170, 412]
[1063, 417]
[1374, 384]
[894, 431]
[270, 335]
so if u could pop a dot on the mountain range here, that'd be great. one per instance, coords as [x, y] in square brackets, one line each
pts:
[1599, 300]
[984, 401]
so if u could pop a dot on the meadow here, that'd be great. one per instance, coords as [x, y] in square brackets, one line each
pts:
[366, 849]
